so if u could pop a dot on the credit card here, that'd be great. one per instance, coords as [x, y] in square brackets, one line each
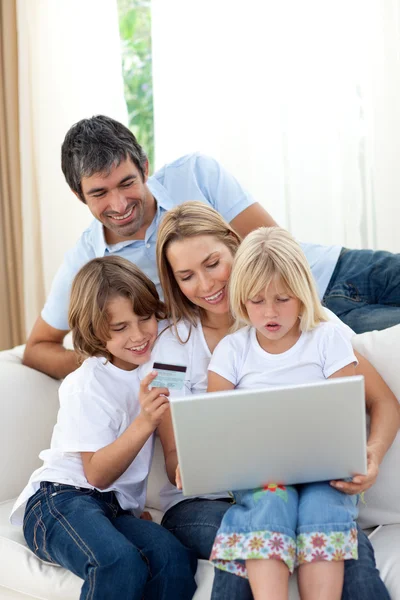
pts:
[169, 376]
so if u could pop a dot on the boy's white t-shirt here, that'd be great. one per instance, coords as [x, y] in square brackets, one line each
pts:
[193, 353]
[315, 356]
[98, 402]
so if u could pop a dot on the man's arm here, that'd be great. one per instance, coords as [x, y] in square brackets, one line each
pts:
[251, 218]
[44, 351]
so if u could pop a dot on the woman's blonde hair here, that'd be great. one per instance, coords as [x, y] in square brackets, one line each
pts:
[264, 254]
[187, 220]
[99, 281]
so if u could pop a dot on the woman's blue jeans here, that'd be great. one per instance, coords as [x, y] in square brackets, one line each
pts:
[196, 522]
[116, 554]
[364, 290]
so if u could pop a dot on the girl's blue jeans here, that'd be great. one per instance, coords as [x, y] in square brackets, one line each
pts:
[295, 524]
[116, 554]
[196, 522]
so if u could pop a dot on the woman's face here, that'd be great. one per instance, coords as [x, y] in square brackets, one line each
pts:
[202, 266]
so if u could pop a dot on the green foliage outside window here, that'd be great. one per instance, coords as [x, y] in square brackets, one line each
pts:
[135, 33]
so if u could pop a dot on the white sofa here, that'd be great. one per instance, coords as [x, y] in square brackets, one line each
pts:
[29, 405]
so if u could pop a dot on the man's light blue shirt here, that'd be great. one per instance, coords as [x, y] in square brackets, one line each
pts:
[322, 260]
[192, 177]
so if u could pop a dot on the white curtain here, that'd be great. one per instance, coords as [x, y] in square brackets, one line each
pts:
[69, 69]
[299, 100]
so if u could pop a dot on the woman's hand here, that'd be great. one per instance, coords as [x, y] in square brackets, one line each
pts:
[178, 480]
[361, 483]
[154, 402]
[146, 516]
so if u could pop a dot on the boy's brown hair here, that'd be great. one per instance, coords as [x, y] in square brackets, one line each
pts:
[100, 280]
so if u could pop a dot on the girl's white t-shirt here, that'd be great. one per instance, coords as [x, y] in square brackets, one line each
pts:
[98, 402]
[315, 356]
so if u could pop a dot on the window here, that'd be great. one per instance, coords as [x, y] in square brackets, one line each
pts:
[135, 33]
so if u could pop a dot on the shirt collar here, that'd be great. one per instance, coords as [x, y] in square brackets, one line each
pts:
[99, 242]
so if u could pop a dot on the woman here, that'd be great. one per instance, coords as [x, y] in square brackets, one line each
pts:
[195, 250]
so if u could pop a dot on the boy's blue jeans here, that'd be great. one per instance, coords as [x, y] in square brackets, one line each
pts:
[364, 290]
[116, 554]
[196, 522]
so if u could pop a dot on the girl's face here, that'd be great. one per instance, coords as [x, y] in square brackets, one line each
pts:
[131, 337]
[275, 314]
[202, 266]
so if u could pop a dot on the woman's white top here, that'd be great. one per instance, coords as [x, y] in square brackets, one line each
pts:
[195, 356]
[98, 402]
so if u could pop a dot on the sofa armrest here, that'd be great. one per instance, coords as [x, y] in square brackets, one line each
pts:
[29, 406]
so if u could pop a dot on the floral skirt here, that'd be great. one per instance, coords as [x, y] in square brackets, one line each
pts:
[297, 525]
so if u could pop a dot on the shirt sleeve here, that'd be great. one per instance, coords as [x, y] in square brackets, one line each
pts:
[86, 421]
[224, 360]
[337, 351]
[348, 332]
[221, 189]
[55, 310]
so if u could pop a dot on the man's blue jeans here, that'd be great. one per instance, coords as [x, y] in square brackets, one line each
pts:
[364, 290]
[196, 522]
[117, 555]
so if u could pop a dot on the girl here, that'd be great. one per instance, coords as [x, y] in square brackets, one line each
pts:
[81, 509]
[195, 251]
[288, 340]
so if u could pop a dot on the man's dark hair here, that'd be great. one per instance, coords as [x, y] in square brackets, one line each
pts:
[95, 146]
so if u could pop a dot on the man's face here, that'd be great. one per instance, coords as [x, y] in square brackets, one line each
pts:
[121, 201]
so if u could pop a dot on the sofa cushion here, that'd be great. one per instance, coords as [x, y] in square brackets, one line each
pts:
[29, 406]
[382, 501]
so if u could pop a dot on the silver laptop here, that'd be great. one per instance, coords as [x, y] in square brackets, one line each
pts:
[248, 438]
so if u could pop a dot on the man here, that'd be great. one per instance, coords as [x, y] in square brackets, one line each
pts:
[107, 169]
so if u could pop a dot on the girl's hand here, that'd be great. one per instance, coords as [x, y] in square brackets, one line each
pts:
[178, 479]
[154, 402]
[360, 483]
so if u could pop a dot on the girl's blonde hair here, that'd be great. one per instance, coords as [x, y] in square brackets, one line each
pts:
[99, 281]
[264, 254]
[187, 220]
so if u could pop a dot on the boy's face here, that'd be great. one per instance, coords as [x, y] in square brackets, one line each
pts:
[131, 337]
[121, 201]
